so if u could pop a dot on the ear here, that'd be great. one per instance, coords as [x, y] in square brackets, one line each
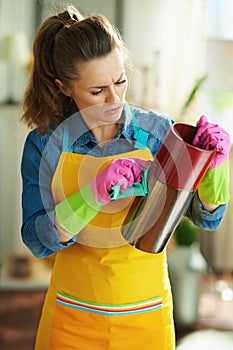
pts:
[63, 88]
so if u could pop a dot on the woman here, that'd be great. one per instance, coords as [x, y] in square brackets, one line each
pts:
[104, 293]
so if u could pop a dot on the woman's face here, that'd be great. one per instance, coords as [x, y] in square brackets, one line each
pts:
[99, 93]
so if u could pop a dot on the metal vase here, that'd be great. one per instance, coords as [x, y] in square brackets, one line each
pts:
[173, 178]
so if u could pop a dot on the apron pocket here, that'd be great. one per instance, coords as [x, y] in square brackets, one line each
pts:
[79, 324]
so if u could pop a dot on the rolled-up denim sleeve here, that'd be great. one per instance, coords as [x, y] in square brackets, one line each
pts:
[202, 218]
[38, 231]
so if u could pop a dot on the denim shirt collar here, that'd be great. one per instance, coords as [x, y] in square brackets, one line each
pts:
[81, 135]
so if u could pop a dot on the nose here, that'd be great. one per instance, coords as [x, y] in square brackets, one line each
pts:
[112, 96]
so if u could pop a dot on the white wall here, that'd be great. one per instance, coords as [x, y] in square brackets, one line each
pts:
[217, 246]
[85, 6]
[12, 135]
[167, 41]
[15, 17]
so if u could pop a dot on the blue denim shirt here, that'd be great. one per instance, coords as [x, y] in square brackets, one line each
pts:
[40, 158]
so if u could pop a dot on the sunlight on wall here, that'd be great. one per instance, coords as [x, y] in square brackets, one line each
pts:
[168, 48]
[218, 100]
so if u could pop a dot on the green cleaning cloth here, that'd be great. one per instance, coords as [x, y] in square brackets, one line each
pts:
[138, 188]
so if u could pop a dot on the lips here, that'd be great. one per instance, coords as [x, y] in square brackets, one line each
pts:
[114, 109]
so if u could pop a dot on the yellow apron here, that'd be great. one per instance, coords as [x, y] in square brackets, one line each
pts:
[104, 293]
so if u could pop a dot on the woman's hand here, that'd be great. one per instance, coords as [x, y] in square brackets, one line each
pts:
[211, 136]
[213, 189]
[123, 172]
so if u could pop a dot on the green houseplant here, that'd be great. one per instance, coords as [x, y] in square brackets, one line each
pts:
[186, 233]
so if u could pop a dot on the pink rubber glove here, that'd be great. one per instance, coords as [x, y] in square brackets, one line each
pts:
[212, 136]
[77, 210]
[123, 172]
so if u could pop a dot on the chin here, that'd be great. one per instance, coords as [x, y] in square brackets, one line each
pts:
[113, 115]
[97, 115]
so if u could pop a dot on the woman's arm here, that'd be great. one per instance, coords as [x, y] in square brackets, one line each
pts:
[204, 218]
[38, 230]
[208, 206]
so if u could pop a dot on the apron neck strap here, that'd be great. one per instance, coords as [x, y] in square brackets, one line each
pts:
[140, 135]
[65, 141]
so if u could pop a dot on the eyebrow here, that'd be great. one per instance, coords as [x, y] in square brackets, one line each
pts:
[103, 86]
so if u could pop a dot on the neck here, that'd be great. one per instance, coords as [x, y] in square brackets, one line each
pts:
[105, 133]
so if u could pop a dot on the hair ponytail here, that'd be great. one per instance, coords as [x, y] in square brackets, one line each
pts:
[60, 45]
[43, 103]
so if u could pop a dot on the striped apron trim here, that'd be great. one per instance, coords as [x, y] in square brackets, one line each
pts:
[109, 309]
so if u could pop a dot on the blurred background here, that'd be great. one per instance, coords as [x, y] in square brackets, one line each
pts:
[182, 52]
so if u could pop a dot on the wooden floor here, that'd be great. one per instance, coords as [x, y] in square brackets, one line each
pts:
[19, 317]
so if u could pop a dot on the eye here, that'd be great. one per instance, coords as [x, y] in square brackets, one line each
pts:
[97, 92]
[120, 82]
